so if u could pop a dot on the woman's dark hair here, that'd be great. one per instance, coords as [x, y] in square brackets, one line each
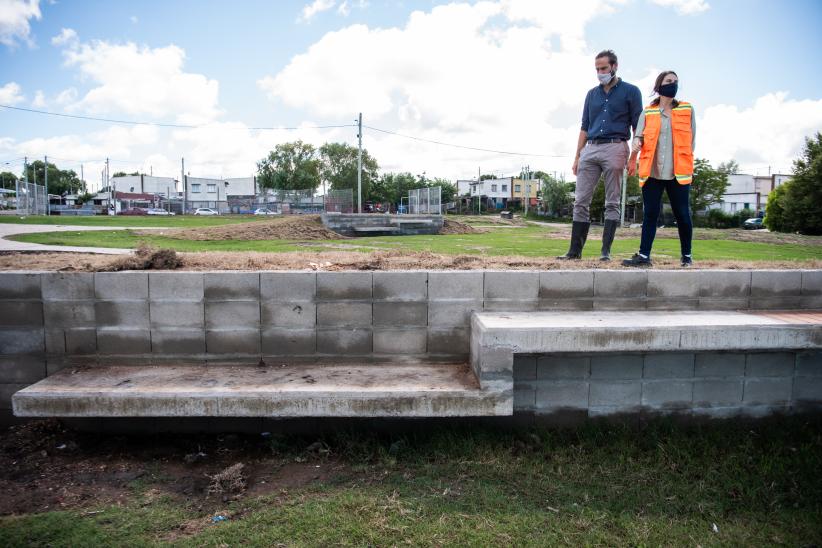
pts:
[658, 83]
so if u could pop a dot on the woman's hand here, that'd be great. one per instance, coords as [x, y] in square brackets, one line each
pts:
[636, 147]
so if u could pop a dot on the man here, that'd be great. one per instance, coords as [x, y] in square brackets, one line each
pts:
[610, 113]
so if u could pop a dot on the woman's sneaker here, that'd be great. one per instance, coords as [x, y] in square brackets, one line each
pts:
[637, 260]
[686, 261]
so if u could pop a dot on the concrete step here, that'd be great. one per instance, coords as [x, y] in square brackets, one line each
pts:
[295, 390]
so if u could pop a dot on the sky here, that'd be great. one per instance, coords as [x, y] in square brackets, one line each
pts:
[444, 88]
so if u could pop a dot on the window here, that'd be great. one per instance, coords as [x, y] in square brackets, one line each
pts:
[517, 188]
[493, 188]
[212, 187]
[195, 188]
[505, 188]
[747, 205]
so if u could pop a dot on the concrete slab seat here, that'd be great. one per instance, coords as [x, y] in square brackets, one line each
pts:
[372, 390]
[496, 337]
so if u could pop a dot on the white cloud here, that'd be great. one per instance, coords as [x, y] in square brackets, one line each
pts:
[67, 96]
[344, 9]
[11, 94]
[39, 99]
[66, 37]
[14, 20]
[142, 81]
[684, 7]
[312, 9]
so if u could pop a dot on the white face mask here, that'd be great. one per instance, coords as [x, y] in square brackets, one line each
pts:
[605, 79]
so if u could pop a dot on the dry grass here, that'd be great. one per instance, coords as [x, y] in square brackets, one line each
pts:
[293, 227]
[230, 480]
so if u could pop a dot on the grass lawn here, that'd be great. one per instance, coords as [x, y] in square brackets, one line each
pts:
[603, 485]
[137, 221]
[530, 241]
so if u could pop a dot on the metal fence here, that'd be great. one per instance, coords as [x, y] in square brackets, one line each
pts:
[425, 201]
[31, 199]
[339, 201]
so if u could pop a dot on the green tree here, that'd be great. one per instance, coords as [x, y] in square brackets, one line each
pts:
[556, 195]
[803, 198]
[338, 166]
[290, 166]
[775, 218]
[391, 187]
[7, 179]
[124, 174]
[708, 185]
[447, 188]
[61, 181]
[486, 176]
[731, 167]
[85, 198]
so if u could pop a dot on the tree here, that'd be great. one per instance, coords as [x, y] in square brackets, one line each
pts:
[7, 179]
[60, 181]
[290, 166]
[485, 176]
[597, 209]
[708, 185]
[124, 174]
[802, 201]
[556, 195]
[85, 198]
[731, 167]
[338, 166]
[391, 187]
[447, 188]
[775, 218]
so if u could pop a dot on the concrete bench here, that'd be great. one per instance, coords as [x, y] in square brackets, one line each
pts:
[376, 229]
[412, 221]
[300, 390]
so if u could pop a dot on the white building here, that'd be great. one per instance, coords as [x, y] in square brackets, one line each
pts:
[741, 194]
[146, 184]
[494, 192]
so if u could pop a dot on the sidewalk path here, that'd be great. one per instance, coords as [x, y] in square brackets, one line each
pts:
[8, 229]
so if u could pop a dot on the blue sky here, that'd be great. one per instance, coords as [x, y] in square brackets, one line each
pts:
[507, 76]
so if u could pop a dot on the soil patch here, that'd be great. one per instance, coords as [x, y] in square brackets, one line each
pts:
[456, 227]
[291, 227]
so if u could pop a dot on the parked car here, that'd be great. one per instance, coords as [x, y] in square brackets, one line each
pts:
[265, 211]
[134, 211]
[158, 211]
[206, 211]
[753, 224]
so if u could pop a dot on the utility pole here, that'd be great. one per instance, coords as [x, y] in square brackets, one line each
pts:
[479, 191]
[185, 184]
[46, 172]
[359, 164]
[527, 188]
[83, 178]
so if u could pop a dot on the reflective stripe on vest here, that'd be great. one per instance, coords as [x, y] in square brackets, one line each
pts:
[682, 139]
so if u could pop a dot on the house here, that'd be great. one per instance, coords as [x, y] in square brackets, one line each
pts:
[494, 193]
[520, 188]
[740, 194]
[146, 184]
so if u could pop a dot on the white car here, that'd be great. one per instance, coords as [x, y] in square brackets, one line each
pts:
[158, 211]
[206, 211]
[264, 211]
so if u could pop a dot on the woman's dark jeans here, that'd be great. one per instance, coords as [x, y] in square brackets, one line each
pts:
[652, 203]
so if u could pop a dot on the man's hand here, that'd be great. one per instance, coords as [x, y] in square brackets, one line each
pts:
[575, 166]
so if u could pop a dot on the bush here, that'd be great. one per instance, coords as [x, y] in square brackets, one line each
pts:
[796, 206]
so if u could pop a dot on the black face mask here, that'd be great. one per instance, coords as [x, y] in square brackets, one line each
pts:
[669, 90]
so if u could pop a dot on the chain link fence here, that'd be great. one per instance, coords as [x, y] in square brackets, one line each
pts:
[427, 201]
[339, 201]
[31, 199]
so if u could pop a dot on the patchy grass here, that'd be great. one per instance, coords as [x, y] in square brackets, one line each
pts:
[717, 484]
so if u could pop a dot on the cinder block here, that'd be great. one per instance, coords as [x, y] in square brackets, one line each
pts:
[807, 390]
[233, 341]
[176, 286]
[496, 360]
[400, 341]
[770, 364]
[232, 286]
[288, 286]
[667, 394]
[81, 340]
[566, 284]
[344, 285]
[634, 303]
[505, 305]
[123, 341]
[668, 366]
[512, 285]
[22, 341]
[60, 286]
[559, 366]
[301, 314]
[724, 284]
[811, 283]
[22, 313]
[562, 394]
[344, 341]
[119, 286]
[673, 284]
[719, 364]
[344, 314]
[566, 304]
[401, 286]
[69, 314]
[625, 284]
[717, 392]
[177, 314]
[452, 285]
[22, 369]
[768, 391]
[451, 342]
[618, 366]
[289, 342]
[232, 314]
[452, 313]
[784, 302]
[616, 394]
[7, 391]
[178, 341]
[401, 313]
[776, 283]
[809, 364]
[121, 313]
[524, 398]
[18, 285]
[58, 363]
[525, 367]
[55, 341]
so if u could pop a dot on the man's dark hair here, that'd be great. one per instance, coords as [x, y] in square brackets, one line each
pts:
[612, 58]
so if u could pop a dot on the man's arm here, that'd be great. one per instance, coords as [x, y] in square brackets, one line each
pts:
[635, 105]
[637, 143]
[583, 134]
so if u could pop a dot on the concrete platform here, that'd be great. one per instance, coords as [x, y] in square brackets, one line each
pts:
[374, 390]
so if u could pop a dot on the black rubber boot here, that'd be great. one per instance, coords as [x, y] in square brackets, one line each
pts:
[607, 239]
[579, 233]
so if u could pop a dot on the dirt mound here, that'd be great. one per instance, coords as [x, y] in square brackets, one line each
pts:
[291, 227]
[146, 257]
[456, 227]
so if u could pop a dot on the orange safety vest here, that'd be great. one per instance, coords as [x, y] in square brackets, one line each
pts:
[682, 138]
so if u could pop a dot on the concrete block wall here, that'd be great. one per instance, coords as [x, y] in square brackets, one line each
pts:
[345, 223]
[715, 384]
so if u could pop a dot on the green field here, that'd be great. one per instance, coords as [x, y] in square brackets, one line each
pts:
[137, 221]
[598, 485]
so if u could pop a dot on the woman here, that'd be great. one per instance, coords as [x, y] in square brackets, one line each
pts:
[664, 139]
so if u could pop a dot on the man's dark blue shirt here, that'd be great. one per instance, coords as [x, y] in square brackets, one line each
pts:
[612, 115]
